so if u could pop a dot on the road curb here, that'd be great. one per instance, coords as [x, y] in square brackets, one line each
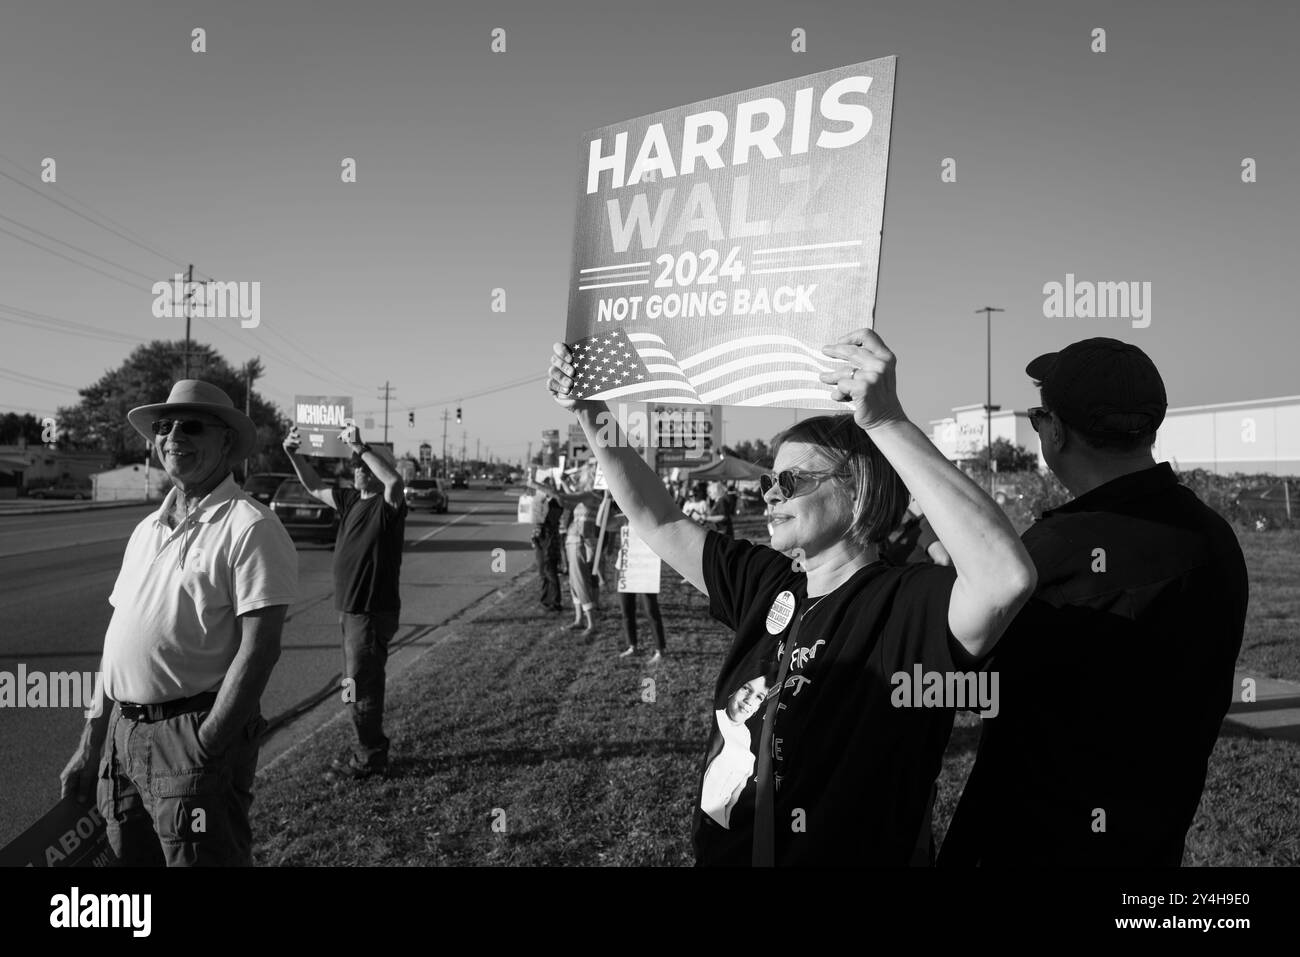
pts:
[62, 510]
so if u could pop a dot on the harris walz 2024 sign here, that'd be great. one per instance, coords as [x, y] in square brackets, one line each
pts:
[720, 245]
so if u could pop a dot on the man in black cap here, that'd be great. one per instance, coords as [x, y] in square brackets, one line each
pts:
[1115, 678]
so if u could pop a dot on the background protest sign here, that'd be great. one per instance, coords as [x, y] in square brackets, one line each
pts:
[70, 835]
[638, 566]
[320, 419]
[718, 246]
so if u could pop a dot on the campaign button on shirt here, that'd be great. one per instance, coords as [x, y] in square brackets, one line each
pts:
[779, 615]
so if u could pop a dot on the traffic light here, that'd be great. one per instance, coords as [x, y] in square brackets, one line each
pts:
[458, 415]
[411, 419]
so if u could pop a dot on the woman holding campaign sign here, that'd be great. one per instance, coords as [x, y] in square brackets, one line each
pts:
[844, 769]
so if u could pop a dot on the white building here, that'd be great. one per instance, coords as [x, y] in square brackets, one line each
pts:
[1254, 436]
[1259, 435]
[141, 482]
[961, 435]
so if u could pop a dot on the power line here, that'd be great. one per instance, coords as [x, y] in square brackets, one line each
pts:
[275, 354]
[37, 381]
[70, 259]
[311, 358]
[84, 252]
[476, 395]
[473, 395]
[66, 327]
[45, 195]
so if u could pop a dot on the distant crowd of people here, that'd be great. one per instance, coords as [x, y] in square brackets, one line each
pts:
[589, 560]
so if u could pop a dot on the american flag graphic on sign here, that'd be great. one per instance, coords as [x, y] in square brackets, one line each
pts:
[752, 370]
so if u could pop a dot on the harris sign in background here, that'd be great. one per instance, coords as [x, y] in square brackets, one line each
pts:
[720, 245]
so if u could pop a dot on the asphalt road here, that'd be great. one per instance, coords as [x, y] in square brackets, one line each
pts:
[57, 570]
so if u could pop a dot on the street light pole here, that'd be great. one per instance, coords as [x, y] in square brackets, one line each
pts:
[988, 394]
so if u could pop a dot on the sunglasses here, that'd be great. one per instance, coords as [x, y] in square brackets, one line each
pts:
[793, 482]
[1036, 413]
[188, 426]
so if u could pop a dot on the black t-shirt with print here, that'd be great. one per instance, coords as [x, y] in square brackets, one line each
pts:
[853, 771]
[368, 553]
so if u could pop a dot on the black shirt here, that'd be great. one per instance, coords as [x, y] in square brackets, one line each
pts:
[855, 771]
[368, 553]
[1114, 681]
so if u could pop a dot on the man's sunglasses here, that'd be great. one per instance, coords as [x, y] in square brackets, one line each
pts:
[188, 426]
[793, 482]
[1036, 413]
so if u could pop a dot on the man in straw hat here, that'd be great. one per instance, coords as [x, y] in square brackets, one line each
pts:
[367, 566]
[198, 608]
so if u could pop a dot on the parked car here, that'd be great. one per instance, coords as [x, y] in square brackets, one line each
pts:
[303, 515]
[263, 485]
[63, 488]
[427, 493]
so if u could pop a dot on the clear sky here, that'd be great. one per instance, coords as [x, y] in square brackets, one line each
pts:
[1115, 166]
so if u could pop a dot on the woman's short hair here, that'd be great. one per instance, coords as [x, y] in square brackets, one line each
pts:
[879, 495]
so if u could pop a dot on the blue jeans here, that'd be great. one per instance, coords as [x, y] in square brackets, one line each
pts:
[166, 801]
[365, 653]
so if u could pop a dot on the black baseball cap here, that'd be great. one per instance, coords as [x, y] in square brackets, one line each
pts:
[1103, 386]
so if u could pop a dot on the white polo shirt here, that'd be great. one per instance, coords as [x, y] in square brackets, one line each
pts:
[175, 627]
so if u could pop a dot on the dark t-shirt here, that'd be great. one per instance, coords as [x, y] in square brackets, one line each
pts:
[368, 553]
[1114, 681]
[853, 771]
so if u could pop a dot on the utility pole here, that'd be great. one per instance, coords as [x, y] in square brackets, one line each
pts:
[464, 437]
[248, 401]
[478, 444]
[988, 396]
[189, 278]
[388, 394]
[445, 416]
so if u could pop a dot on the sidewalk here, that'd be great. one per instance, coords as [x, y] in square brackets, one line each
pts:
[1275, 712]
[26, 506]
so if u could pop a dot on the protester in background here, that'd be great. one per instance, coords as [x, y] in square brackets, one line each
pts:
[367, 569]
[697, 506]
[914, 541]
[1116, 676]
[198, 609]
[627, 601]
[855, 769]
[580, 547]
[546, 539]
[721, 509]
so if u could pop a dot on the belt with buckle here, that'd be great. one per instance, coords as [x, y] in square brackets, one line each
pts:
[167, 709]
